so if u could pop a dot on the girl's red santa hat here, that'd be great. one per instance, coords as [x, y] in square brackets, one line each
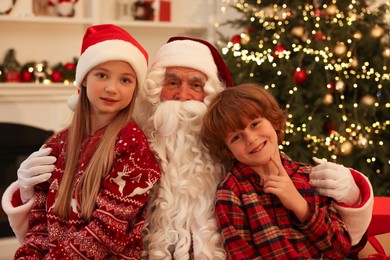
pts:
[107, 42]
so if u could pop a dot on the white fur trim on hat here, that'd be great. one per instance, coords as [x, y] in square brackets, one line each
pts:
[111, 50]
[187, 53]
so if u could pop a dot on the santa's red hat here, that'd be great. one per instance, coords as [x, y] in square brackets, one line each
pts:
[107, 42]
[181, 51]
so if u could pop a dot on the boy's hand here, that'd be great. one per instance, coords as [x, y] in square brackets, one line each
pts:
[35, 169]
[282, 186]
[335, 181]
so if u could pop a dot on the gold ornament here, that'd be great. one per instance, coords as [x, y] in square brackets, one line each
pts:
[385, 39]
[362, 142]
[357, 35]
[386, 53]
[352, 16]
[368, 100]
[377, 31]
[354, 62]
[340, 86]
[298, 31]
[328, 99]
[340, 49]
[245, 38]
[332, 10]
[346, 148]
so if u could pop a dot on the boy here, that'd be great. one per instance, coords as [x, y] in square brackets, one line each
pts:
[265, 206]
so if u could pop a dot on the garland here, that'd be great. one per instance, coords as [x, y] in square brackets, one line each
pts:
[9, 9]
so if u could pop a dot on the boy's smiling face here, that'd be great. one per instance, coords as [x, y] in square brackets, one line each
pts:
[255, 144]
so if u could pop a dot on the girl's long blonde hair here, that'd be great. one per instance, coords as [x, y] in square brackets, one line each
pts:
[99, 164]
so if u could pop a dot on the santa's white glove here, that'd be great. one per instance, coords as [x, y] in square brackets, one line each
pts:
[335, 181]
[37, 168]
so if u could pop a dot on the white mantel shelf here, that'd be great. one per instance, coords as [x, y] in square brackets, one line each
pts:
[38, 105]
[11, 92]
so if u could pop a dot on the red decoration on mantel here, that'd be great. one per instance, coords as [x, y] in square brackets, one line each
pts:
[11, 67]
[12, 76]
[70, 66]
[27, 76]
[56, 76]
[12, 71]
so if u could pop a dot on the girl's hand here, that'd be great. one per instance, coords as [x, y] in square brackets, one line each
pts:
[282, 186]
[35, 169]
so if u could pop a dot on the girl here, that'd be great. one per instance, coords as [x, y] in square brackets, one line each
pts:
[92, 207]
[265, 206]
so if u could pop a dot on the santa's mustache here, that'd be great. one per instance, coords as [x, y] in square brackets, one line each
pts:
[172, 115]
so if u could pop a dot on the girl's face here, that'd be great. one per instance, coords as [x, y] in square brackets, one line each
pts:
[110, 87]
[255, 144]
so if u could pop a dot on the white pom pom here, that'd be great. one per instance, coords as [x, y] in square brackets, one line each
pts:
[72, 101]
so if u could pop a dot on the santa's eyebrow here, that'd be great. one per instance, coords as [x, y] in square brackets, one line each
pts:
[192, 78]
[171, 75]
[199, 78]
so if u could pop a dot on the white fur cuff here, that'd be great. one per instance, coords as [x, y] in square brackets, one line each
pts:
[18, 216]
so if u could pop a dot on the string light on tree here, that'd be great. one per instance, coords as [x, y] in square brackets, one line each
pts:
[368, 100]
[346, 148]
[377, 31]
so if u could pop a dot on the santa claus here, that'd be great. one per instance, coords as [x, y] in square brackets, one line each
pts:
[180, 222]
[184, 77]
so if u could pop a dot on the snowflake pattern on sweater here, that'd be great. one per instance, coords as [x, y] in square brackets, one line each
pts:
[115, 228]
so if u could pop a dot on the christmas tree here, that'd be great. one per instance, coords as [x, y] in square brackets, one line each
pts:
[328, 65]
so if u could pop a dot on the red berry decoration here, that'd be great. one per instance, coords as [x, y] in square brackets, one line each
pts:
[56, 76]
[70, 66]
[13, 76]
[236, 39]
[318, 12]
[319, 36]
[26, 76]
[300, 76]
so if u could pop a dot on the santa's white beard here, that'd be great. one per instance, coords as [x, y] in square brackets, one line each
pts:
[181, 209]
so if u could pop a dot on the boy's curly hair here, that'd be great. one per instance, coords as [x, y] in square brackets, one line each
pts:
[231, 109]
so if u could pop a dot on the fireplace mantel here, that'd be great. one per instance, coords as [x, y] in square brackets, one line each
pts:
[39, 105]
